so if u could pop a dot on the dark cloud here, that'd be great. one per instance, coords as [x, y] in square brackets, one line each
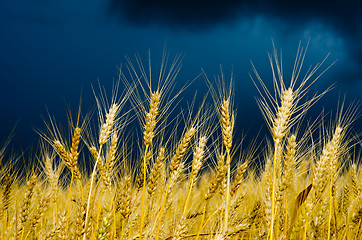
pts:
[344, 18]
[344, 15]
[185, 14]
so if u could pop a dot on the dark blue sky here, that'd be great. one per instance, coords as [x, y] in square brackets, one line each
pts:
[52, 50]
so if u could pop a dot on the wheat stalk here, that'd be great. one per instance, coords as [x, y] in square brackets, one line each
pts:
[155, 171]
[25, 208]
[40, 210]
[217, 177]
[238, 178]
[105, 131]
[111, 160]
[227, 125]
[181, 149]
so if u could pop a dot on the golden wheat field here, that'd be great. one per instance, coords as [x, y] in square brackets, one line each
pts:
[188, 177]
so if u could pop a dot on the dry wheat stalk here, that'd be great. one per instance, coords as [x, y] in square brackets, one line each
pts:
[62, 231]
[142, 173]
[40, 210]
[150, 121]
[344, 199]
[289, 163]
[103, 232]
[238, 178]
[107, 126]
[227, 124]
[181, 149]
[217, 177]
[75, 145]
[111, 160]
[125, 197]
[286, 182]
[353, 179]
[155, 171]
[105, 132]
[174, 176]
[197, 161]
[95, 154]
[180, 229]
[279, 128]
[53, 177]
[25, 208]
[333, 170]
[329, 151]
[68, 160]
[196, 165]
[80, 222]
[284, 112]
[7, 182]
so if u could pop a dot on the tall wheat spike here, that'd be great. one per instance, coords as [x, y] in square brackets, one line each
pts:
[148, 135]
[282, 113]
[105, 132]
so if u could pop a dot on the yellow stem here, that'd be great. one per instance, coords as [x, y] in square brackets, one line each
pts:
[357, 232]
[202, 221]
[187, 198]
[143, 191]
[305, 229]
[330, 207]
[227, 192]
[271, 232]
[81, 189]
[159, 215]
[286, 214]
[69, 199]
[114, 216]
[90, 189]
[99, 208]
[22, 234]
[122, 229]
[27, 235]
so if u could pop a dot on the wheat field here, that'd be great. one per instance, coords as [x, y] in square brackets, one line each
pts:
[189, 176]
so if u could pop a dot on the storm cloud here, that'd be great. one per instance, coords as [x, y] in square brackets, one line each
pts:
[344, 18]
[343, 15]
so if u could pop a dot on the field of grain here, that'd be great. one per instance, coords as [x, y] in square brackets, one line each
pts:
[188, 177]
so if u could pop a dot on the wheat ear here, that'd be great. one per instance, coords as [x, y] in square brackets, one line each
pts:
[238, 178]
[280, 126]
[227, 125]
[62, 227]
[354, 183]
[175, 166]
[148, 135]
[111, 160]
[105, 132]
[7, 182]
[330, 150]
[335, 145]
[181, 149]
[196, 166]
[53, 178]
[155, 171]
[41, 209]
[286, 181]
[217, 177]
[107, 127]
[25, 208]
[150, 121]
[66, 157]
